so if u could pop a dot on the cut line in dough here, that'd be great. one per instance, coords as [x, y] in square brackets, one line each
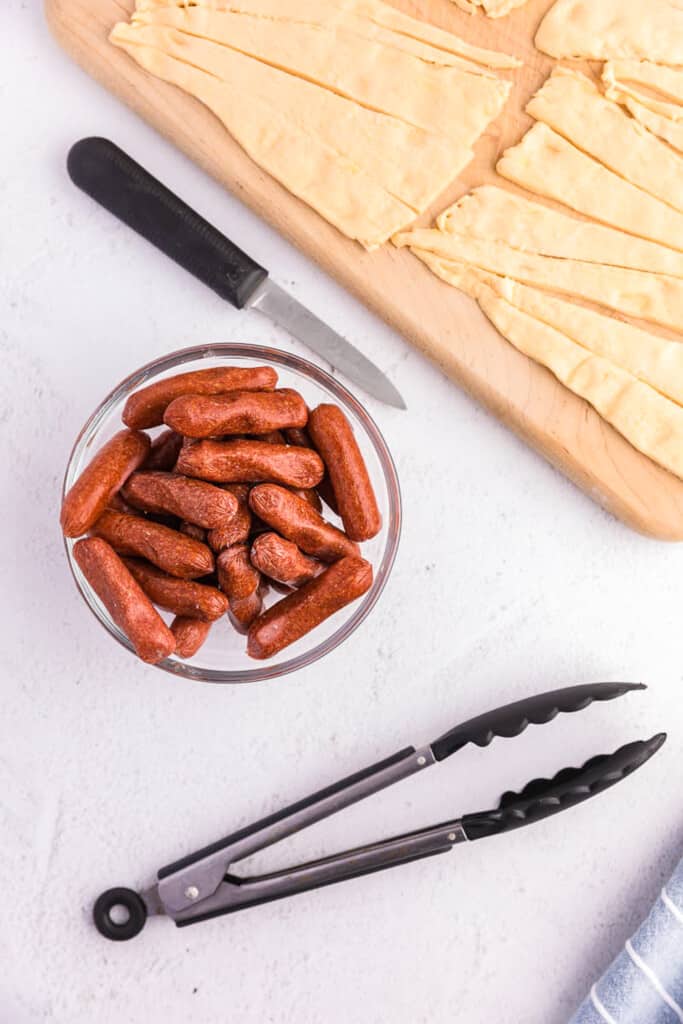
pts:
[492, 8]
[374, 11]
[391, 17]
[669, 131]
[639, 86]
[658, 88]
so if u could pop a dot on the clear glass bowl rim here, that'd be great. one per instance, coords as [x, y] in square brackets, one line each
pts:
[259, 353]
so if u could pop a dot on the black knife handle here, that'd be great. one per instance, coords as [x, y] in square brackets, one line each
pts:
[512, 719]
[127, 190]
[543, 797]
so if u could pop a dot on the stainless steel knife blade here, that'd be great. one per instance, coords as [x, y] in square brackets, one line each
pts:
[287, 312]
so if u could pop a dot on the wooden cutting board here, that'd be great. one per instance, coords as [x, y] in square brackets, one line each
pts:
[444, 324]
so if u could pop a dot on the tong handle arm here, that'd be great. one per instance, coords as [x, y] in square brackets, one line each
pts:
[513, 719]
[239, 893]
[203, 871]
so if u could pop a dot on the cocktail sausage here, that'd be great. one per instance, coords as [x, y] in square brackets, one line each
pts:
[104, 475]
[300, 612]
[145, 408]
[126, 602]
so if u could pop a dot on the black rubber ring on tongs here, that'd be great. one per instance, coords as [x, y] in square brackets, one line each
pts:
[130, 901]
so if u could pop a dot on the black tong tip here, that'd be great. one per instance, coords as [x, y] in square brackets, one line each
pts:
[513, 719]
[542, 797]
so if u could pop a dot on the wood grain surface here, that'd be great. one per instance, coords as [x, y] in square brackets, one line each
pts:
[442, 323]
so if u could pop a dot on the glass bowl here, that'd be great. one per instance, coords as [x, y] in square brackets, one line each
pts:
[223, 658]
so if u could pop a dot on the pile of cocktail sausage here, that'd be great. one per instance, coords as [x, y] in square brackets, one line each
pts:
[224, 503]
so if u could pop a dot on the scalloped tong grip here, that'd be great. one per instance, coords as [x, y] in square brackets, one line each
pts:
[543, 797]
[513, 719]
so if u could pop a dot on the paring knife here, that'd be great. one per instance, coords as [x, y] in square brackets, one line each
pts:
[127, 190]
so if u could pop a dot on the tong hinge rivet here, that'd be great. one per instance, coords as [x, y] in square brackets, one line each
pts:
[422, 760]
[192, 892]
[452, 837]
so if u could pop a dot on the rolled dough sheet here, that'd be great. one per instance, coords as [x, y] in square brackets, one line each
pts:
[494, 8]
[366, 138]
[650, 422]
[600, 29]
[440, 99]
[549, 165]
[652, 297]
[375, 12]
[658, 88]
[499, 215]
[572, 104]
[338, 189]
[649, 357]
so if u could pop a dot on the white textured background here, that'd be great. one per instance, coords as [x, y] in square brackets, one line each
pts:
[508, 581]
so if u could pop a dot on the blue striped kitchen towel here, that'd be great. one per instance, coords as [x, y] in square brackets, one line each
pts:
[644, 985]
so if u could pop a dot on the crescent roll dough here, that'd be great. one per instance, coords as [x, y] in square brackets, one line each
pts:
[549, 165]
[499, 215]
[362, 112]
[652, 297]
[600, 29]
[647, 419]
[494, 8]
[572, 105]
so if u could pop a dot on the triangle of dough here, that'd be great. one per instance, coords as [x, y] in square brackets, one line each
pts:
[652, 297]
[545, 163]
[499, 215]
[649, 357]
[391, 17]
[600, 29]
[650, 422]
[572, 105]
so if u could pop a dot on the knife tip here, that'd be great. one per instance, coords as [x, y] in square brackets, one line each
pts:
[392, 396]
[399, 404]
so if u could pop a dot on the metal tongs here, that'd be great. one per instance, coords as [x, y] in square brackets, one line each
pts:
[202, 885]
